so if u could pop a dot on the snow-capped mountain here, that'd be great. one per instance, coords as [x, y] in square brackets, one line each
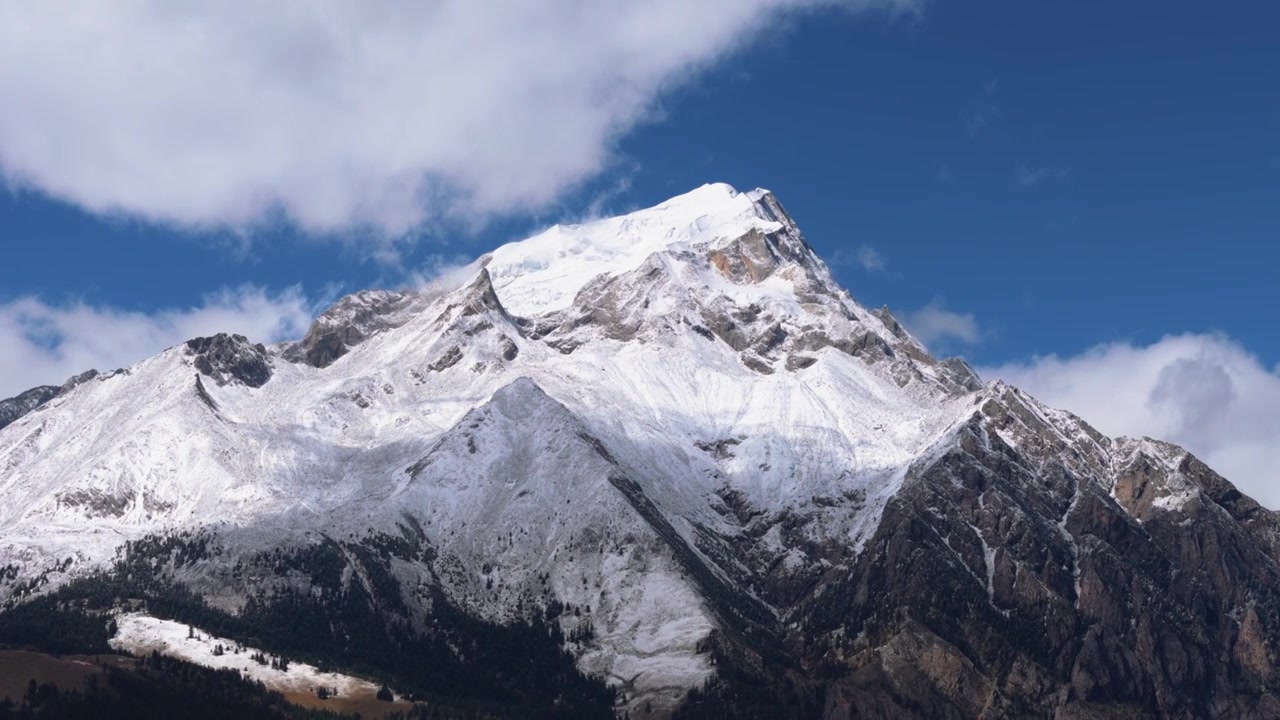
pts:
[678, 424]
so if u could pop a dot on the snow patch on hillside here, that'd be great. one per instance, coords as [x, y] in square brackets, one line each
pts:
[142, 634]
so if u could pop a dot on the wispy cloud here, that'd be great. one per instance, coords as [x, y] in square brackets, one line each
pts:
[938, 327]
[1027, 177]
[1205, 392]
[603, 199]
[441, 269]
[983, 109]
[338, 115]
[863, 256]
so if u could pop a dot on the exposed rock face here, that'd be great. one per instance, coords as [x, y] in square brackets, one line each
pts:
[350, 321]
[1039, 569]
[77, 380]
[231, 358]
[23, 403]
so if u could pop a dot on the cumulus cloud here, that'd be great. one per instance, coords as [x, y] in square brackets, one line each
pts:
[935, 325]
[333, 114]
[1204, 392]
[44, 344]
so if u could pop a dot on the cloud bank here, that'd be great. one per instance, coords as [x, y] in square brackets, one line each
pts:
[1204, 392]
[44, 344]
[383, 114]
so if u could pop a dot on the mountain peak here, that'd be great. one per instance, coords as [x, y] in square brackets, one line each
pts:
[543, 273]
[480, 297]
[517, 390]
[348, 322]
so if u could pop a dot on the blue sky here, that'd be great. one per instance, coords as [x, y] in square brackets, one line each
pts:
[1060, 192]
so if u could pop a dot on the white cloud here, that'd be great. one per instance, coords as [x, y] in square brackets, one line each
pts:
[934, 324]
[869, 258]
[864, 256]
[1204, 392]
[336, 114]
[439, 268]
[44, 344]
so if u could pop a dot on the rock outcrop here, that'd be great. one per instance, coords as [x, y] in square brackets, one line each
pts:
[231, 358]
[349, 322]
[23, 403]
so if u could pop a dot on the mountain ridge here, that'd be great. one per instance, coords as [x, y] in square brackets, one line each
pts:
[677, 420]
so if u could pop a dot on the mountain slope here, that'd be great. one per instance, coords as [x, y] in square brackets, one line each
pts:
[676, 437]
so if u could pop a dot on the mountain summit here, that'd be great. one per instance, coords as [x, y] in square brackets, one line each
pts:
[671, 444]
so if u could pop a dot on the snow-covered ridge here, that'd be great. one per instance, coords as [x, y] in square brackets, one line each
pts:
[544, 273]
